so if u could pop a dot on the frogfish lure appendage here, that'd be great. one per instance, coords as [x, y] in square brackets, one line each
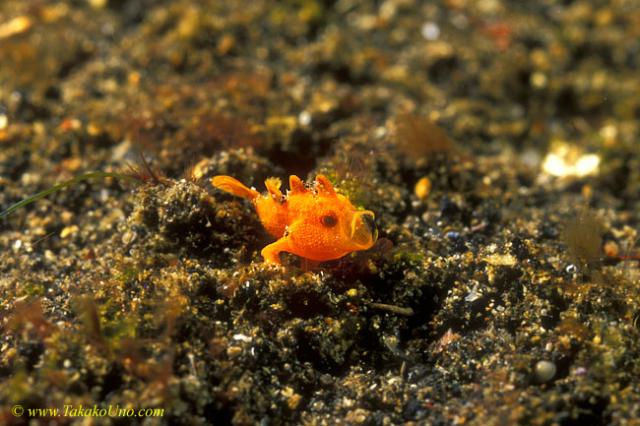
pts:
[315, 223]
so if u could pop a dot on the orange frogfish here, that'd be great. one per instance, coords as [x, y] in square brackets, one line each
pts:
[315, 223]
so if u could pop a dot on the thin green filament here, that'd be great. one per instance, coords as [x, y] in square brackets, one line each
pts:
[61, 186]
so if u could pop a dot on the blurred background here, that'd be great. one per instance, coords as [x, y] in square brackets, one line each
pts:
[496, 141]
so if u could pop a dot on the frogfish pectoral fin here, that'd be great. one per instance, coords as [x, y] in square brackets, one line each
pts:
[271, 253]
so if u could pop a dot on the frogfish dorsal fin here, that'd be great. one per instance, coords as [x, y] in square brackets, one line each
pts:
[324, 186]
[273, 186]
[296, 186]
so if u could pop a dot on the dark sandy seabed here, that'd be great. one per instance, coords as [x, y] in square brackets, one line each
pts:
[496, 141]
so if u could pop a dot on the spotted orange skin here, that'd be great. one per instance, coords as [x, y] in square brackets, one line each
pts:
[314, 223]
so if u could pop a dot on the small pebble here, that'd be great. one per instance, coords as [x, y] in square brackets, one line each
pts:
[69, 231]
[452, 235]
[128, 237]
[544, 371]
[234, 351]
[423, 188]
[538, 80]
[241, 337]
[580, 371]
[473, 295]
[611, 249]
[15, 26]
[304, 118]
[430, 31]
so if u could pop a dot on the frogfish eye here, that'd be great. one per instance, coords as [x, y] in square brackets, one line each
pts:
[329, 220]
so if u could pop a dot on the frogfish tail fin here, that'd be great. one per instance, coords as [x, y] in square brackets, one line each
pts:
[234, 186]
